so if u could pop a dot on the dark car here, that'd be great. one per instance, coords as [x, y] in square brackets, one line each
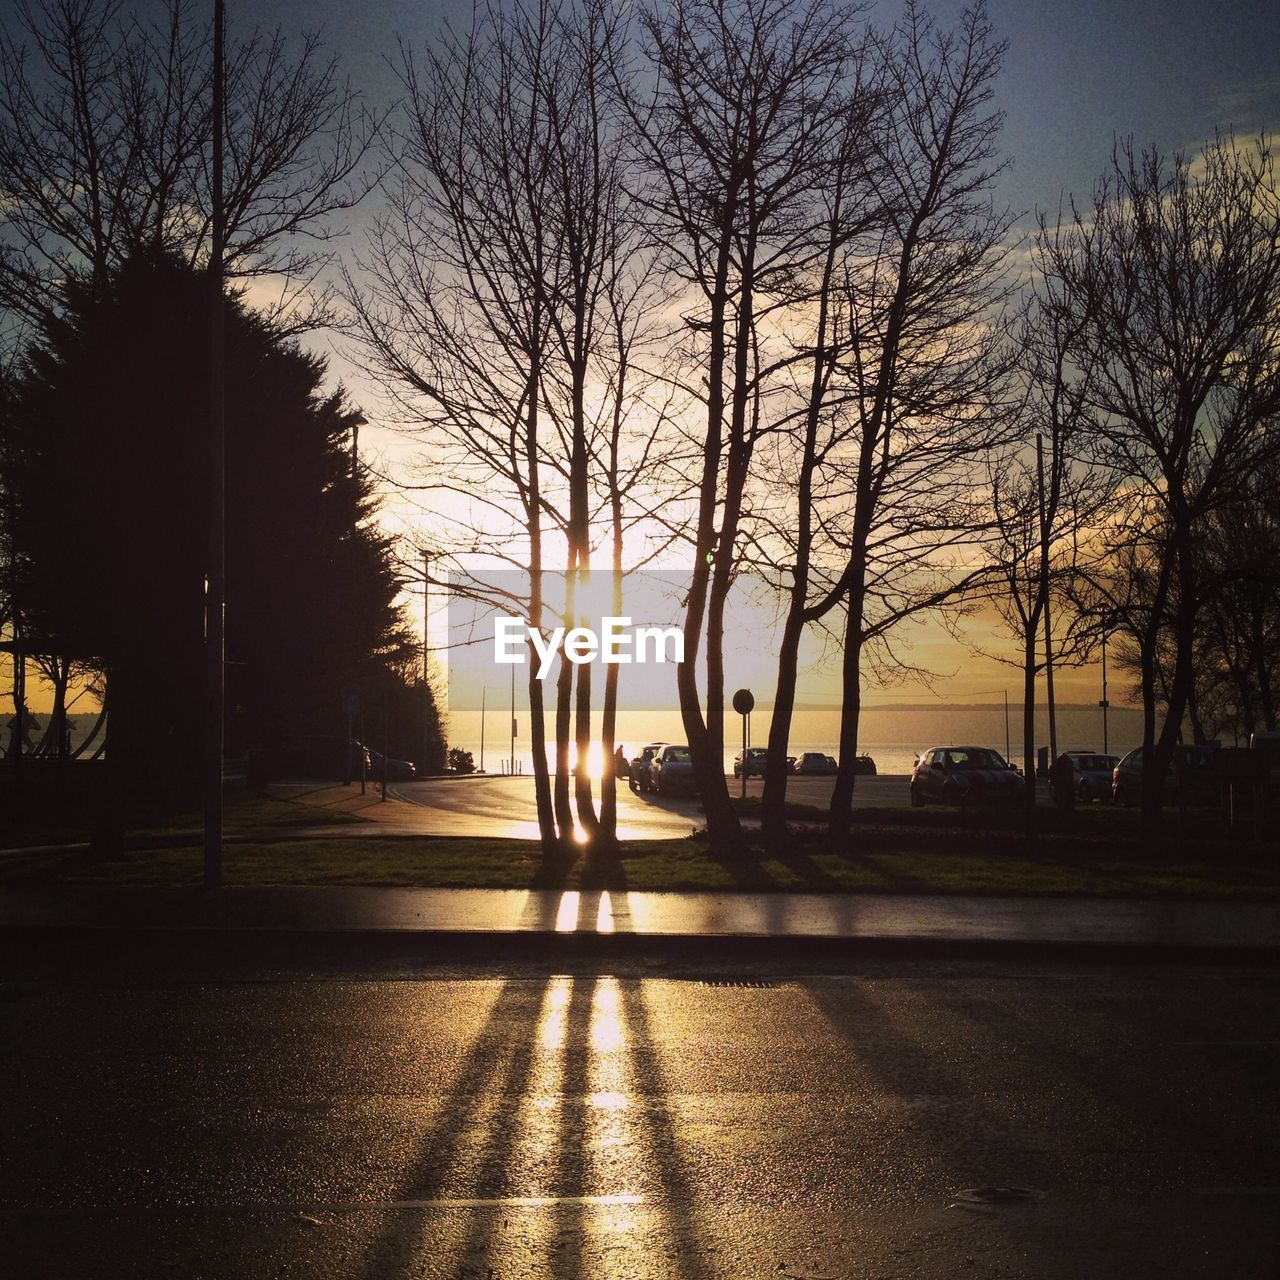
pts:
[864, 766]
[672, 771]
[964, 776]
[638, 775]
[1192, 777]
[815, 764]
[315, 757]
[753, 765]
[1091, 774]
[397, 770]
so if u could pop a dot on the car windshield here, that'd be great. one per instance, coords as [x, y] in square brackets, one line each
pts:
[975, 758]
[1092, 764]
[1194, 758]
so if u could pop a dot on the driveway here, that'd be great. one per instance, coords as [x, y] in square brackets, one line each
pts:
[497, 806]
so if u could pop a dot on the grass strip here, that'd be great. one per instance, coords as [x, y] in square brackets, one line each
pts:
[674, 865]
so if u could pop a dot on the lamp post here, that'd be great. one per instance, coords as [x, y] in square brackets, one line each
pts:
[215, 588]
[426, 657]
[1104, 703]
[356, 423]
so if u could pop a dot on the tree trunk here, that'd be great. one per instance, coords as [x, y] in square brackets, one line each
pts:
[1029, 716]
[841, 814]
[533, 517]
[773, 809]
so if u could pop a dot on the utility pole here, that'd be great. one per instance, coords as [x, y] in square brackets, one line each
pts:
[1104, 704]
[356, 423]
[1044, 588]
[426, 658]
[215, 586]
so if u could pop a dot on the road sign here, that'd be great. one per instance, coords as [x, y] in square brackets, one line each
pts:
[744, 702]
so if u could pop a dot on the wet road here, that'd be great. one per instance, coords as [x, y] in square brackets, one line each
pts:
[497, 806]
[403, 1120]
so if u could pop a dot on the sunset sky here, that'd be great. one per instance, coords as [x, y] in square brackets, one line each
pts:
[1076, 77]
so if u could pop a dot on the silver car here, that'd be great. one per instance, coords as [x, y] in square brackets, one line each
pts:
[672, 771]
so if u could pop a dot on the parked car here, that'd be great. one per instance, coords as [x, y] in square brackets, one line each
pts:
[1091, 774]
[864, 765]
[672, 771]
[814, 764]
[397, 770]
[963, 776]
[638, 776]
[757, 759]
[1192, 777]
[314, 757]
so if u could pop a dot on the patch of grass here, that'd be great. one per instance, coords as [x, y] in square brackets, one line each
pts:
[58, 823]
[675, 865]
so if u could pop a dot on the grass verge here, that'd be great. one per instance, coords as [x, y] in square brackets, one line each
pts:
[677, 865]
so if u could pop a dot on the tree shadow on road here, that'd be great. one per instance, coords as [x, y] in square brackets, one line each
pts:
[517, 1135]
[495, 1071]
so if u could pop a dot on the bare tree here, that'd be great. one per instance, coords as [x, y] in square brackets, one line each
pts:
[1170, 280]
[734, 128]
[498, 307]
[105, 145]
[924, 378]
[1042, 506]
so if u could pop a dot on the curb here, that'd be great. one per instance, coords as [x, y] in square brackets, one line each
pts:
[499, 948]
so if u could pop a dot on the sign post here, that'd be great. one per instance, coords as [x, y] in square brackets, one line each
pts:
[743, 703]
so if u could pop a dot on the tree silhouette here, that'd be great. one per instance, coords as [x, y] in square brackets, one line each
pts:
[110, 458]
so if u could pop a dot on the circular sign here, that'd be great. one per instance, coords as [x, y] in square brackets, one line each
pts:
[743, 702]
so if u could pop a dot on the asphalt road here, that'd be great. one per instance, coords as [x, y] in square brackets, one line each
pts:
[403, 1120]
[483, 806]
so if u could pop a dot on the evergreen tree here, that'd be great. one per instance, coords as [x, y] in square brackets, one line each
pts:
[111, 457]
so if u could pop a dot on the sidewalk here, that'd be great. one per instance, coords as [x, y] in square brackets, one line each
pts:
[603, 916]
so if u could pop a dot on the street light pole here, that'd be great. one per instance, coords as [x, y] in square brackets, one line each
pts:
[1008, 749]
[215, 588]
[1105, 703]
[426, 658]
[356, 423]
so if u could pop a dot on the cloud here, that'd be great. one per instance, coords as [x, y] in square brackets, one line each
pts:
[1251, 106]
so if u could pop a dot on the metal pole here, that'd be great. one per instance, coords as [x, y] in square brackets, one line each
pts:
[1008, 749]
[216, 582]
[744, 757]
[358, 420]
[1044, 587]
[512, 761]
[484, 694]
[1105, 703]
[426, 658]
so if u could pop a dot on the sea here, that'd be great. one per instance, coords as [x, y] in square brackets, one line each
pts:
[894, 735]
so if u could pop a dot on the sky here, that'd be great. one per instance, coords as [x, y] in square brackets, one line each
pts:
[1077, 77]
